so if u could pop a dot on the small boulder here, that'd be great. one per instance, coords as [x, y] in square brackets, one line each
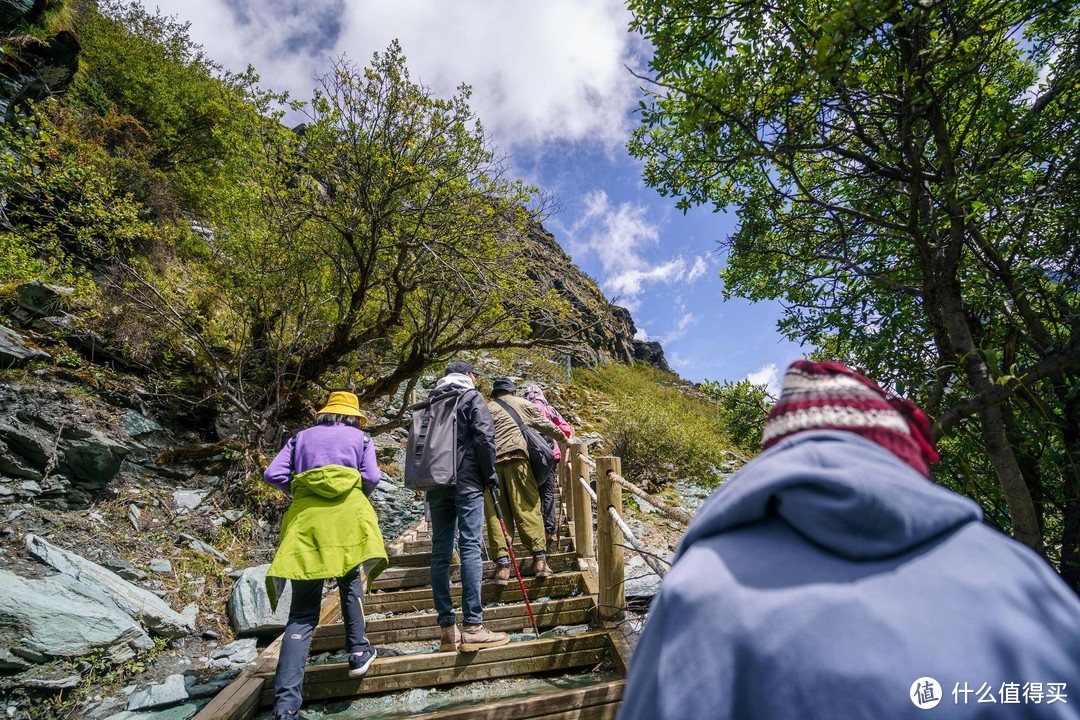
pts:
[15, 351]
[249, 607]
[170, 692]
[42, 300]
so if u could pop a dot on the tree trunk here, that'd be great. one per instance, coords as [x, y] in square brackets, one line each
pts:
[1025, 521]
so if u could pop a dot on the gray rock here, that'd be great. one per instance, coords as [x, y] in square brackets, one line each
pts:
[14, 466]
[170, 692]
[249, 607]
[187, 500]
[125, 570]
[239, 651]
[12, 10]
[190, 613]
[138, 425]
[28, 443]
[42, 300]
[233, 516]
[15, 351]
[135, 601]
[30, 488]
[201, 547]
[179, 712]
[160, 565]
[9, 662]
[43, 619]
[93, 461]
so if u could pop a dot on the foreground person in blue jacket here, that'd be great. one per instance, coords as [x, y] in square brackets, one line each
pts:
[829, 578]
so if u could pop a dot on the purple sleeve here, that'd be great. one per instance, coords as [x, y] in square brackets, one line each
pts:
[279, 473]
[369, 467]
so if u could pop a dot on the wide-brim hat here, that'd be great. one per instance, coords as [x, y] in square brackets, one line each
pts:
[503, 385]
[344, 403]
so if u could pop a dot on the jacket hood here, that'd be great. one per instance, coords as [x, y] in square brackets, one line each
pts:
[456, 381]
[840, 491]
[328, 481]
[533, 393]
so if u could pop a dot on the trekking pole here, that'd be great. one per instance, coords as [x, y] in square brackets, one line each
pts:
[513, 561]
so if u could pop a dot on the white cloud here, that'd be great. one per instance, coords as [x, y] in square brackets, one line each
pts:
[676, 360]
[631, 282]
[769, 376]
[540, 72]
[681, 328]
[641, 335]
[701, 266]
[619, 235]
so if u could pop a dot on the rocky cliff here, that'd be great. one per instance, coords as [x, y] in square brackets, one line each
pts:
[599, 330]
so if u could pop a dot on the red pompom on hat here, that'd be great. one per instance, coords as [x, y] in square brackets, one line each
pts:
[830, 396]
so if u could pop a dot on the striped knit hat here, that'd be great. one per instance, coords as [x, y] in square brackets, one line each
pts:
[829, 396]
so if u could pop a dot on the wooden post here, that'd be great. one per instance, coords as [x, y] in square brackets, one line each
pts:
[564, 480]
[609, 550]
[583, 529]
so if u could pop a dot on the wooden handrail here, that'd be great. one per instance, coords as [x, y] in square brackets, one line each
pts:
[665, 510]
[650, 559]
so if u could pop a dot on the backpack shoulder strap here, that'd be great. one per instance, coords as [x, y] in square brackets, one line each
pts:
[510, 411]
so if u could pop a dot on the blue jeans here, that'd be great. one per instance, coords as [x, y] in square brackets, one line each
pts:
[460, 514]
[303, 617]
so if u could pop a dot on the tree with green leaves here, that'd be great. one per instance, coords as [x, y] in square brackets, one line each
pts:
[377, 238]
[905, 175]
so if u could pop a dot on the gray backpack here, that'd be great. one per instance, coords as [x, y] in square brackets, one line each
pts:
[432, 457]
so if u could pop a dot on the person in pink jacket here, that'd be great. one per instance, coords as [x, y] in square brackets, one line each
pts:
[546, 486]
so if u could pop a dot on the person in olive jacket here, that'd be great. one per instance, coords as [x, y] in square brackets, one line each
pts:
[517, 486]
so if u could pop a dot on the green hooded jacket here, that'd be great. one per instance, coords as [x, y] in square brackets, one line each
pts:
[329, 529]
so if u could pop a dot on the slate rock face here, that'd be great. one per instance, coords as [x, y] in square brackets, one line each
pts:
[41, 620]
[12, 11]
[35, 68]
[606, 331]
[132, 600]
[15, 351]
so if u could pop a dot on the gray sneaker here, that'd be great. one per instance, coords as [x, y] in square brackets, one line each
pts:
[477, 637]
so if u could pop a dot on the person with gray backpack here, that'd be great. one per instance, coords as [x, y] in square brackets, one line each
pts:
[451, 458]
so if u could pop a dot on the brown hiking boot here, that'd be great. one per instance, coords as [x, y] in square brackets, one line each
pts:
[451, 638]
[477, 637]
[502, 574]
[540, 568]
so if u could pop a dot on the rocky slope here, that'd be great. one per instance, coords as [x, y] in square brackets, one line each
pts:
[601, 331]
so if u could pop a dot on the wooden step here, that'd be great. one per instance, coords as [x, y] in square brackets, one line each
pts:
[504, 618]
[595, 702]
[395, 578]
[326, 682]
[561, 585]
[424, 545]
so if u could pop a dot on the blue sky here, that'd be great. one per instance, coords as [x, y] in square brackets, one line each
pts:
[552, 87]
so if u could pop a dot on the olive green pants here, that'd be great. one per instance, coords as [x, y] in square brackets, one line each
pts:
[520, 503]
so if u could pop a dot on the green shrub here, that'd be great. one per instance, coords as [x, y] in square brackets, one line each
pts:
[743, 408]
[660, 427]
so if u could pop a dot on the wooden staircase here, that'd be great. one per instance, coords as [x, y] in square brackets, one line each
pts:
[401, 610]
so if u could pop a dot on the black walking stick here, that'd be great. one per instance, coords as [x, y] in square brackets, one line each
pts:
[513, 560]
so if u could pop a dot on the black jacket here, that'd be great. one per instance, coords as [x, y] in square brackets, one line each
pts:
[475, 438]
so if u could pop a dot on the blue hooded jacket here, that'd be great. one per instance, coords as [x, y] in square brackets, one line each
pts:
[827, 576]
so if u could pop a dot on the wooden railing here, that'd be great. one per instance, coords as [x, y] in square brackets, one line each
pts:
[604, 552]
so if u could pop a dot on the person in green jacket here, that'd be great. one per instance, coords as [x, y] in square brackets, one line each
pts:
[329, 531]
